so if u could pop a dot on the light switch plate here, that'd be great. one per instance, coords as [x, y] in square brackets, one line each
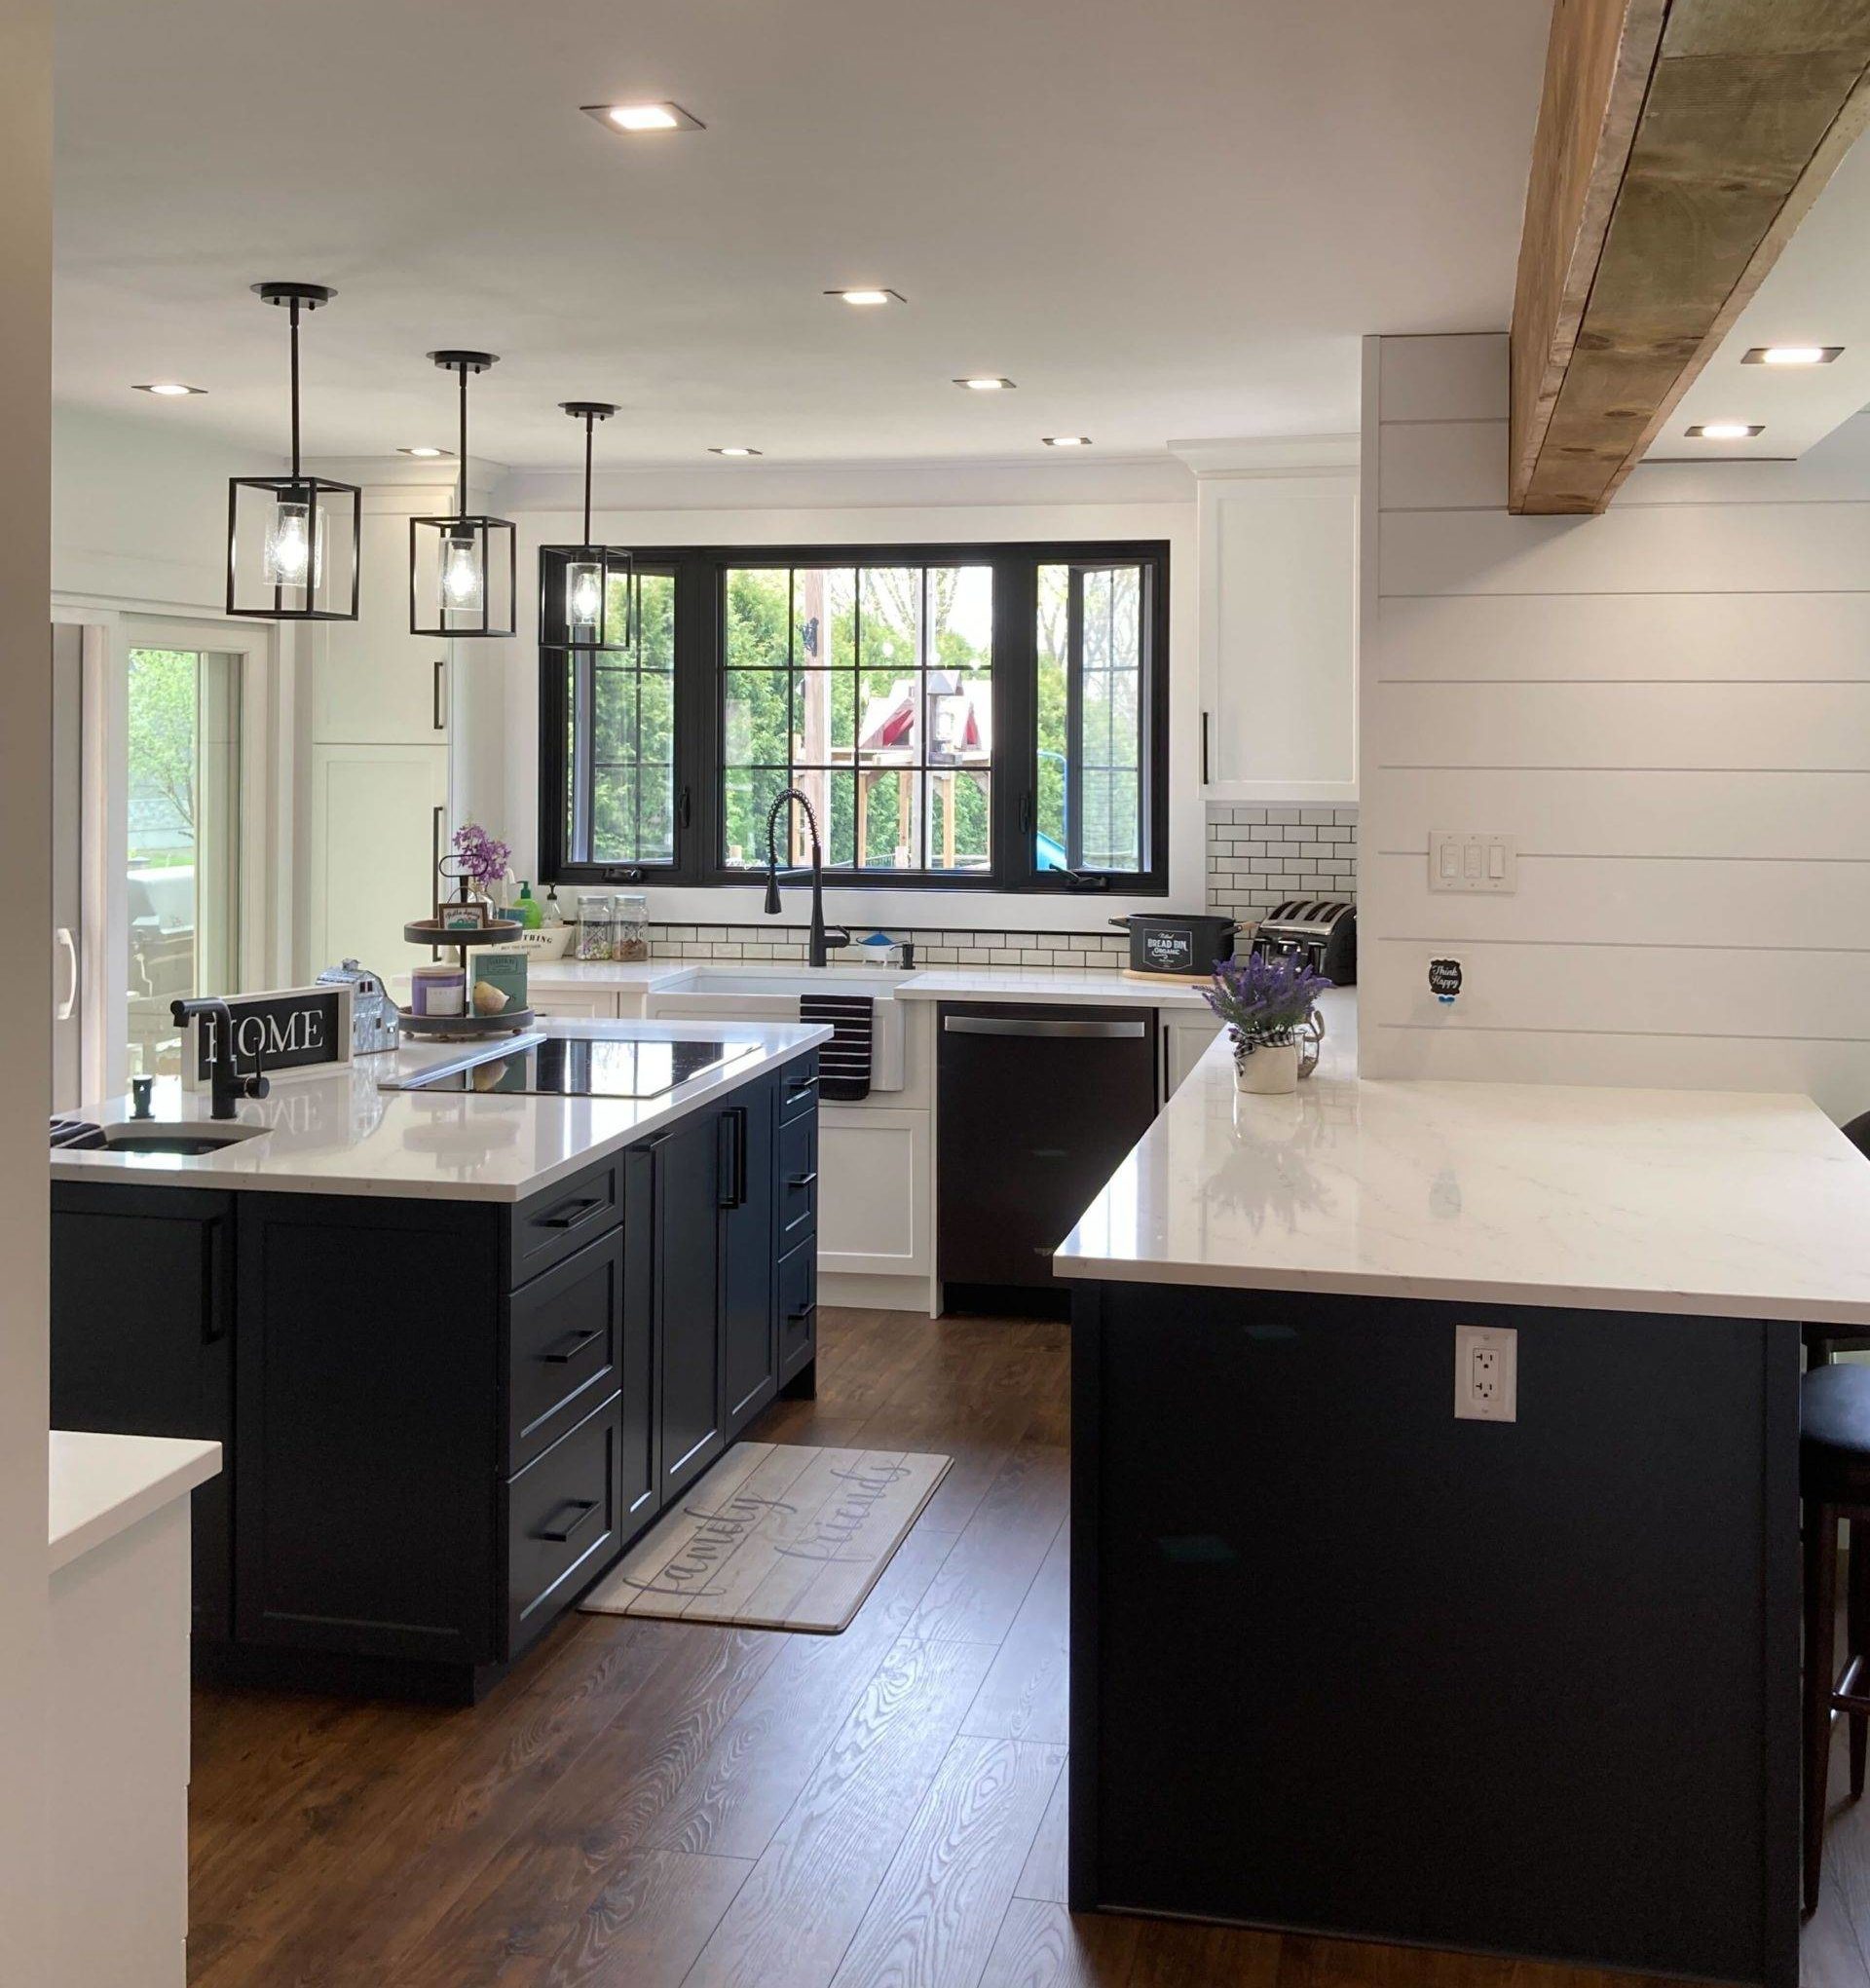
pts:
[1467, 859]
[1486, 1373]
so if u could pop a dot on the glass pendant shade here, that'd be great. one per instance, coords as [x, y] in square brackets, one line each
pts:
[583, 596]
[293, 541]
[461, 573]
[462, 569]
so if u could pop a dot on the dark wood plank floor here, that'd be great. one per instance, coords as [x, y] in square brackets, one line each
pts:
[656, 1804]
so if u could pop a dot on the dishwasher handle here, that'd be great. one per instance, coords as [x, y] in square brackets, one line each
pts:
[1082, 1031]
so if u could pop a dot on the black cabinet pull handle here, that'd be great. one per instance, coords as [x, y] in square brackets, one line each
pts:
[804, 1312]
[583, 1507]
[571, 1214]
[803, 1180]
[438, 720]
[798, 1084]
[733, 1134]
[571, 1346]
[214, 1261]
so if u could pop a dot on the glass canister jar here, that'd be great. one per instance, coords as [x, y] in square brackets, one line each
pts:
[631, 926]
[594, 925]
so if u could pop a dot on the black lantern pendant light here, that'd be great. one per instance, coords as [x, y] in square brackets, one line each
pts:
[292, 540]
[586, 598]
[460, 568]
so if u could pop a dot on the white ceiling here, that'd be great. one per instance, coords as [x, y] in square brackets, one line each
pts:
[1161, 221]
[1818, 293]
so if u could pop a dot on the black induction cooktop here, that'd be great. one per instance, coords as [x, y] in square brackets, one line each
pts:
[580, 1066]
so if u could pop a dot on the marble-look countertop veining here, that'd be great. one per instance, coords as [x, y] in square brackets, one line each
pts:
[344, 1134]
[1717, 1203]
[102, 1485]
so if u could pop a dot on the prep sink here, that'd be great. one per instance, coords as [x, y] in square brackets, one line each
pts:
[710, 994]
[190, 1141]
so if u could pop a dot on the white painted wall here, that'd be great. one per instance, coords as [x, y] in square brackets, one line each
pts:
[910, 503]
[139, 508]
[1669, 706]
[26, 907]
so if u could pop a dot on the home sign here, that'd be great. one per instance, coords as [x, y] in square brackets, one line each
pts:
[294, 1031]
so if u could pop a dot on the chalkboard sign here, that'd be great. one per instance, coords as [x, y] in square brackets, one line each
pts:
[1170, 952]
[291, 1032]
[1445, 979]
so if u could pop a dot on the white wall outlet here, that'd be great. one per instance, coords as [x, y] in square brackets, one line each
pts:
[1486, 1373]
[1466, 860]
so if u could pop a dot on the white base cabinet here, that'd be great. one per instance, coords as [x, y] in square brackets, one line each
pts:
[875, 1199]
[1184, 1039]
[581, 1004]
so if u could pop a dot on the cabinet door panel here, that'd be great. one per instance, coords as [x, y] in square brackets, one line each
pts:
[367, 1438]
[141, 1319]
[688, 1219]
[875, 1211]
[379, 819]
[562, 1348]
[749, 1354]
[372, 680]
[561, 1525]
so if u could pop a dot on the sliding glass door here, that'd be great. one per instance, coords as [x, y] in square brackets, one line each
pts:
[182, 736]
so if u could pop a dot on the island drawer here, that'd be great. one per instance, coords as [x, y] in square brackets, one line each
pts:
[797, 1308]
[556, 1224]
[561, 1522]
[562, 1347]
[797, 1178]
[798, 1088]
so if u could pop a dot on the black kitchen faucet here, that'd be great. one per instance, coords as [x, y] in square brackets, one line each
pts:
[822, 941]
[223, 1068]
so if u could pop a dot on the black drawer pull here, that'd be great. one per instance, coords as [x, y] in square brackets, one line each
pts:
[571, 1214]
[571, 1346]
[798, 1084]
[804, 1312]
[585, 1508]
[803, 1180]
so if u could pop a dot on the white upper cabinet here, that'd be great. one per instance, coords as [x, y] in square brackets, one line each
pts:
[373, 683]
[1278, 627]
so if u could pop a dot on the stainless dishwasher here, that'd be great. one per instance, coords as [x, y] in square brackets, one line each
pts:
[1036, 1108]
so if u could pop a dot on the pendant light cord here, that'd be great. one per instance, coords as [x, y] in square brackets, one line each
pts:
[460, 500]
[590, 427]
[295, 388]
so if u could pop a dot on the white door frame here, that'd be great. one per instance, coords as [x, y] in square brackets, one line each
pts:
[111, 631]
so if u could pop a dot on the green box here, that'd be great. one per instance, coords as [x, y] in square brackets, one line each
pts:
[501, 970]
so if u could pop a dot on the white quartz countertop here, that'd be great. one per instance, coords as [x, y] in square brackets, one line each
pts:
[1718, 1203]
[102, 1485]
[1068, 986]
[343, 1135]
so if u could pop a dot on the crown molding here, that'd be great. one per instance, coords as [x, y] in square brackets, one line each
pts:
[1277, 455]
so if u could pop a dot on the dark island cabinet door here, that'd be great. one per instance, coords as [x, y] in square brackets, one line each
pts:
[142, 1296]
[689, 1184]
[749, 1354]
[368, 1437]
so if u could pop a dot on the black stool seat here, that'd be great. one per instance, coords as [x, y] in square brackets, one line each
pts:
[1834, 1434]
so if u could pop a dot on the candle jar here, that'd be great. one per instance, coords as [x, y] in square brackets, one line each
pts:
[631, 926]
[595, 923]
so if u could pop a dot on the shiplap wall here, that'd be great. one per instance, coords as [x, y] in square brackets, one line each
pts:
[1670, 707]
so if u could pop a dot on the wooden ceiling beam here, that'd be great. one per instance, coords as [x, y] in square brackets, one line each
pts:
[1679, 145]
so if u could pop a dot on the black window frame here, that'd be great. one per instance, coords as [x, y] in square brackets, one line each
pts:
[700, 573]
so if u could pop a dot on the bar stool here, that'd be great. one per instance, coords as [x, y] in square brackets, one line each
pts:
[1834, 1481]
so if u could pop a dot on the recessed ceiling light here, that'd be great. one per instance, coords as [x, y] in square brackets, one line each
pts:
[644, 116]
[869, 297]
[424, 450]
[982, 383]
[1065, 442]
[169, 390]
[737, 452]
[1726, 430]
[1791, 355]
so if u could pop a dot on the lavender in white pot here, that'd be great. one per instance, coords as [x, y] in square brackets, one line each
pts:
[1266, 1004]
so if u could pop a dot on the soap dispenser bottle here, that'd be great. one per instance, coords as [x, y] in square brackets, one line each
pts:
[527, 907]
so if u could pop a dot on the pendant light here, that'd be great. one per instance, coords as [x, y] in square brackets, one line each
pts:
[460, 568]
[587, 596]
[292, 540]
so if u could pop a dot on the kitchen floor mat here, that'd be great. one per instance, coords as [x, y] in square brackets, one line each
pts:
[774, 1536]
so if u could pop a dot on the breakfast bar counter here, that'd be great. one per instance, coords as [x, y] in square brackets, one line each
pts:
[1367, 1639]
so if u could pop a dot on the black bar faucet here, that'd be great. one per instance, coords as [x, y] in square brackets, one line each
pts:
[821, 941]
[224, 1068]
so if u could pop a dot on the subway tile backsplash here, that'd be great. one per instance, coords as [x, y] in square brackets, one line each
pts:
[1257, 857]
